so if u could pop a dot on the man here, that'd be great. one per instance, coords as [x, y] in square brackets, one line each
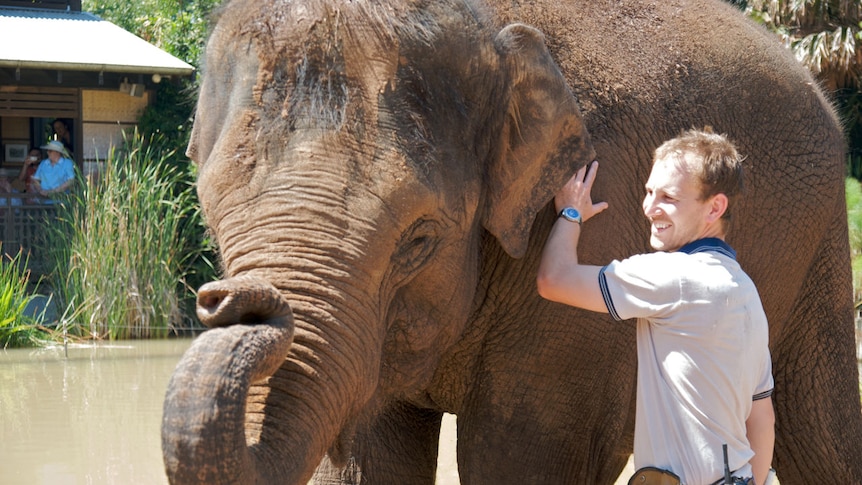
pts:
[704, 369]
[55, 174]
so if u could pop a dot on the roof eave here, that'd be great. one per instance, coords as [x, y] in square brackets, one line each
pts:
[66, 66]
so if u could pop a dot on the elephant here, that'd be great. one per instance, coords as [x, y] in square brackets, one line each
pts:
[379, 177]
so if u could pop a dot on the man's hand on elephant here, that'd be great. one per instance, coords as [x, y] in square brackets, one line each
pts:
[576, 193]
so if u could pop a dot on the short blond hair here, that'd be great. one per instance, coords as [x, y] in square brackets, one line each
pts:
[720, 165]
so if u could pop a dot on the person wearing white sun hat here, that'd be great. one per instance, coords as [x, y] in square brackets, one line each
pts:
[704, 411]
[55, 174]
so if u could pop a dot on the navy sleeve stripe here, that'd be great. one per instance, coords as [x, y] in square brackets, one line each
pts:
[606, 295]
[762, 395]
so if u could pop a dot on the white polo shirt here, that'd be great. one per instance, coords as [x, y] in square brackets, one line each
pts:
[703, 356]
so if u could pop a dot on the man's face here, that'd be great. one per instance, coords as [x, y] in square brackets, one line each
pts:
[54, 156]
[677, 216]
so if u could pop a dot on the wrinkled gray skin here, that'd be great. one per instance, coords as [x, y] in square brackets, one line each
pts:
[378, 178]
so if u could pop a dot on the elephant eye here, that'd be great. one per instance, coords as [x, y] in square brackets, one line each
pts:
[417, 245]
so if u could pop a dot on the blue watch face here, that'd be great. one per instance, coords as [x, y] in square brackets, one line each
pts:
[571, 214]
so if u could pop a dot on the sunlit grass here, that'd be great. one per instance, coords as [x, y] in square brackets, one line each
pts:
[121, 246]
[17, 328]
[853, 194]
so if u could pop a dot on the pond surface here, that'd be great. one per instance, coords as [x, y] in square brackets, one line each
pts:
[92, 417]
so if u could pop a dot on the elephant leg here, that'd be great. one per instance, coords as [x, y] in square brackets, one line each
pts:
[400, 446]
[494, 449]
[817, 408]
[539, 417]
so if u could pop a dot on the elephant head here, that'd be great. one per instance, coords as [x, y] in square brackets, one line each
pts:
[352, 156]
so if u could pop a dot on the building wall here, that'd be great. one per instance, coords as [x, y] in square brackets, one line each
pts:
[14, 131]
[105, 116]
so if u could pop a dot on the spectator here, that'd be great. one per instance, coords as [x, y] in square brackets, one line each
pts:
[24, 181]
[63, 134]
[6, 188]
[55, 174]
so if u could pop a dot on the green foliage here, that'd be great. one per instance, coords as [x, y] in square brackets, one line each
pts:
[169, 117]
[178, 27]
[124, 244]
[853, 191]
[17, 329]
[849, 105]
[824, 35]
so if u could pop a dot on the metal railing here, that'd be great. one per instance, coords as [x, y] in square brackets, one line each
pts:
[23, 220]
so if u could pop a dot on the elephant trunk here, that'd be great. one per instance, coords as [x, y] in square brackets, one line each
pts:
[203, 428]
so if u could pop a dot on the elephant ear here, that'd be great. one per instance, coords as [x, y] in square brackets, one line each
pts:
[543, 139]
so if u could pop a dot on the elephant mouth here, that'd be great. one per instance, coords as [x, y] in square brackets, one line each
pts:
[240, 300]
[339, 452]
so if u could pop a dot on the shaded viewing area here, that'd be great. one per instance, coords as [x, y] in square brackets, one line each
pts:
[22, 220]
[97, 85]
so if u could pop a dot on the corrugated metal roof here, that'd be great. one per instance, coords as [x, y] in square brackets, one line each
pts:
[45, 39]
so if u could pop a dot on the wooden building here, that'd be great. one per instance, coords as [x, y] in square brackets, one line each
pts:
[59, 63]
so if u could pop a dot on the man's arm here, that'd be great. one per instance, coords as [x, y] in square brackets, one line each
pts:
[560, 277]
[22, 175]
[65, 186]
[760, 430]
[37, 179]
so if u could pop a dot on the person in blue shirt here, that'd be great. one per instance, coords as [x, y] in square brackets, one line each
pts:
[56, 174]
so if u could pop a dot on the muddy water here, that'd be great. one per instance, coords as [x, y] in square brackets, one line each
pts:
[90, 417]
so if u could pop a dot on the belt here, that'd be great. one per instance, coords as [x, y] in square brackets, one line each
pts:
[735, 481]
[653, 476]
[657, 476]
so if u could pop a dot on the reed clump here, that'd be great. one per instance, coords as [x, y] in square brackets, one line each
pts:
[123, 245]
[18, 327]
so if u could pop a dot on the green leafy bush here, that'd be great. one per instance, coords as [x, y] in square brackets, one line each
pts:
[179, 28]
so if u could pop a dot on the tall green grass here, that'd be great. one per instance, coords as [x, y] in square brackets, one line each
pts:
[853, 195]
[17, 329]
[122, 246]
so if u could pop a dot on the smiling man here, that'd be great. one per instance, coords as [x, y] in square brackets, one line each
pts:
[704, 369]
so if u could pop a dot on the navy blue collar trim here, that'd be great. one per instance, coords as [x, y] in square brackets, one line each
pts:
[709, 244]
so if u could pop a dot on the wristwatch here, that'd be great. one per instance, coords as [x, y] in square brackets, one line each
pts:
[571, 214]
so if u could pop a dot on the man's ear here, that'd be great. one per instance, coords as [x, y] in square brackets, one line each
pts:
[717, 207]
